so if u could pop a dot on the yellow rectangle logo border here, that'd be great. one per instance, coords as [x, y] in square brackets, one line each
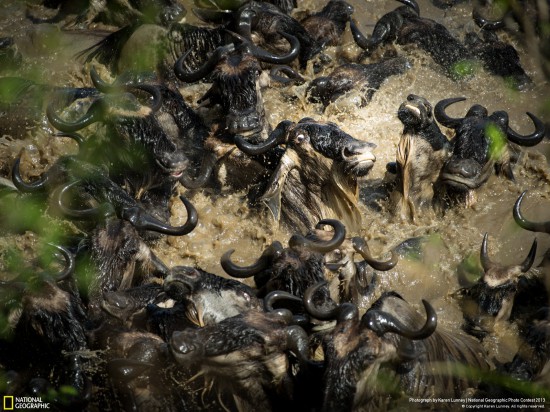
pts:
[5, 403]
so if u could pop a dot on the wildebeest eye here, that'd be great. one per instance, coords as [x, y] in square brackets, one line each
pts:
[300, 138]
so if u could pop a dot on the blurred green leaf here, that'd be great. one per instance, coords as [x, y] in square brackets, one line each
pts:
[497, 141]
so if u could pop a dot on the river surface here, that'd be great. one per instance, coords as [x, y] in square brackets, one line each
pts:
[226, 222]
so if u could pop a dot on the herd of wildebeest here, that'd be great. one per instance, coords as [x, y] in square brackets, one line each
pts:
[311, 334]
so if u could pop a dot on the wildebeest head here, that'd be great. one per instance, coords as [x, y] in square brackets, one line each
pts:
[480, 145]
[235, 73]
[421, 153]
[50, 318]
[498, 58]
[247, 354]
[500, 292]
[110, 200]
[208, 298]
[291, 269]
[48, 330]
[319, 169]
[352, 76]
[140, 143]
[127, 304]
[391, 348]
[328, 25]
[533, 354]
[357, 348]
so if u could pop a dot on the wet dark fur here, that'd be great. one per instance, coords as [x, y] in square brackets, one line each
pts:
[367, 77]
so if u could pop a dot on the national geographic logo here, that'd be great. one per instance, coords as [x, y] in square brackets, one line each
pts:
[11, 403]
[8, 403]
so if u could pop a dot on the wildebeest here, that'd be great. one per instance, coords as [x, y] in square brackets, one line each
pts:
[352, 76]
[291, 269]
[391, 343]
[480, 146]
[319, 168]
[234, 72]
[249, 356]
[117, 13]
[531, 360]
[405, 26]
[46, 333]
[208, 299]
[327, 26]
[421, 153]
[503, 293]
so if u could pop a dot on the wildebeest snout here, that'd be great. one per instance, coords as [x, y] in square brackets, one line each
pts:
[415, 112]
[358, 157]
[174, 163]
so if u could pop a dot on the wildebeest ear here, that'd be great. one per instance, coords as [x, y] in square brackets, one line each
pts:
[272, 196]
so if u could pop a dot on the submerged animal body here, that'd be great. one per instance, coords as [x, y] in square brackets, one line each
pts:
[421, 153]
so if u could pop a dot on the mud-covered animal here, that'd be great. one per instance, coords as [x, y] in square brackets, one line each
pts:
[327, 26]
[503, 293]
[46, 335]
[291, 269]
[249, 356]
[421, 153]
[391, 350]
[316, 178]
[208, 299]
[481, 145]
[367, 78]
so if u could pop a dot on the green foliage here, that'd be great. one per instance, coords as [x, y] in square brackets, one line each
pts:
[497, 141]
[11, 89]
[463, 69]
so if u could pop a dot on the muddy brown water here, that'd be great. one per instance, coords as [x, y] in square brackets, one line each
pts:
[225, 220]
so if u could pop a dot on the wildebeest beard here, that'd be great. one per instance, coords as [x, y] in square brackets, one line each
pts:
[306, 189]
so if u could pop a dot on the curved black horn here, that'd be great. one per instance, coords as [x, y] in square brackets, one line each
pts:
[486, 262]
[205, 69]
[144, 221]
[318, 246]
[207, 167]
[264, 55]
[244, 25]
[104, 87]
[277, 137]
[382, 323]
[442, 117]
[530, 139]
[22, 186]
[277, 295]
[91, 116]
[101, 85]
[526, 224]
[485, 23]
[412, 4]
[361, 247]
[77, 137]
[292, 75]
[243, 272]
[342, 312]
[530, 259]
[360, 39]
[97, 213]
[69, 260]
